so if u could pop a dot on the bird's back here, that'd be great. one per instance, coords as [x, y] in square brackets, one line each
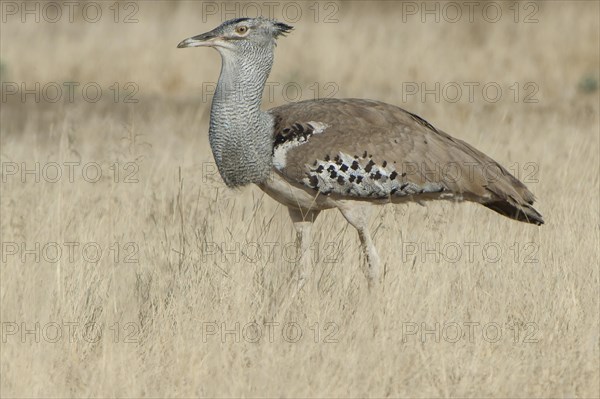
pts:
[364, 149]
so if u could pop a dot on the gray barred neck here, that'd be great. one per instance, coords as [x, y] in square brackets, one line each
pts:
[240, 133]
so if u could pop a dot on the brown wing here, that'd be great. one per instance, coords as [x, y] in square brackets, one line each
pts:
[369, 149]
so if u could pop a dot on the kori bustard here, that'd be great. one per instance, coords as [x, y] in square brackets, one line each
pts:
[338, 153]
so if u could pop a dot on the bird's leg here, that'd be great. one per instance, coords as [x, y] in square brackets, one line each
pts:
[359, 216]
[303, 224]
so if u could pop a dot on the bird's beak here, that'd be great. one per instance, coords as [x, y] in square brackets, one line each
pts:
[203, 40]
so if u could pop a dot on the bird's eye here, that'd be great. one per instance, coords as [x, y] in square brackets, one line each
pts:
[240, 30]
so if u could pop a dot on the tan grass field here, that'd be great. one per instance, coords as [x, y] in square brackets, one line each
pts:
[134, 272]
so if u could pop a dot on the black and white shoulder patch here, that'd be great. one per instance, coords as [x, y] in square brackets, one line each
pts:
[291, 137]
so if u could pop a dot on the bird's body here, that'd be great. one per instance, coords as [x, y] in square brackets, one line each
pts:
[372, 151]
[338, 153]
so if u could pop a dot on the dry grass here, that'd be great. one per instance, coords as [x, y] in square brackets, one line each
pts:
[179, 216]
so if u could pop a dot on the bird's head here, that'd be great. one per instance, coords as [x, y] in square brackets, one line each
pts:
[240, 35]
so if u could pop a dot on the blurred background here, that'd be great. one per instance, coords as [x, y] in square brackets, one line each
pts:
[366, 48]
